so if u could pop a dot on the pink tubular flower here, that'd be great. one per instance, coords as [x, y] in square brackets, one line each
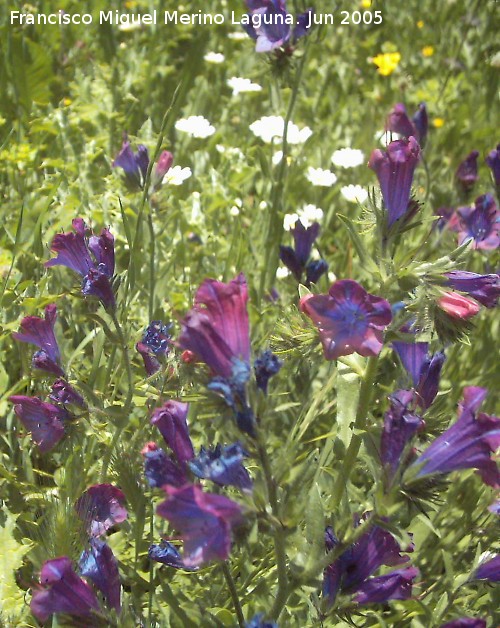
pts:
[62, 591]
[101, 506]
[349, 319]
[458, 306]
[40, 332]
[204, 520]
[216, 329]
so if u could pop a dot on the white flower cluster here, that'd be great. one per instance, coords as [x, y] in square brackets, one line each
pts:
[196, 126]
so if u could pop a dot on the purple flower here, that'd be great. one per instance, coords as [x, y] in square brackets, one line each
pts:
[40, 332]
[62, 591]
[99, 565]
[489, 570]
[394, 169]
[495, 507]
[465, 622]
[399, 122]
[44, 420]
[101, 506]
[93, 257]
[224, 466]
[204, 520]
[466, 173]
[265, 367]
[154, 344]
[467, 444]
[484, 288]
[216, 329]
[480, 223]
[64, 393]
[269, 23]
[421, 122]
[351, 572]
[296, 259]
[171, 420]
[412, 356]
[400, 425]
[135, 165]
[396, 585]
[493, 161]
[349, 319]
[160, 469]
[167, 554]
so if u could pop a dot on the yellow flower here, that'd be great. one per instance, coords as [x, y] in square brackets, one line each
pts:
[366, 4]
[67, 102]
[420, 23]
[438, 122]
[428, 51]
[387, 62]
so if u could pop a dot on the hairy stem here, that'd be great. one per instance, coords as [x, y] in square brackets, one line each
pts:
[234, 593]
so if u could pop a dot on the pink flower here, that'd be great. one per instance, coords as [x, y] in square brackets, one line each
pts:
[458, 306]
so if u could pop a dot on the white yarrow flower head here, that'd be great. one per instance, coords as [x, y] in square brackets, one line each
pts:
[320, 177]
[289, 221]
[348, 158]
[277, 157]
[309, 214]
[270, 128]
[282, 272]
[196, 126]
[214, 57]
[177, 175]
[242, 85]
[354, 193]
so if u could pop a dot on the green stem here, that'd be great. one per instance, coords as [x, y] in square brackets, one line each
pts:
[126, 359]
[365, 398]
[278, 536]
[152, 252]
[234, 593]
[275, 220]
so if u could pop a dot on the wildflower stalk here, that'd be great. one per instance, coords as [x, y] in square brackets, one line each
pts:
[152, 254]
[275, 220]
[278, 536]
[234, 593]
[365, 398]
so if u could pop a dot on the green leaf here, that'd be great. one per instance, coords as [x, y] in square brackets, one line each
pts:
[11, 558]
[348, 384]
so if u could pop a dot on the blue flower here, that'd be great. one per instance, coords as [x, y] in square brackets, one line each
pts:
[160, 469]
[167, 554]
[223, 466]
[493, 161]
[466, 174]
[155, 344]
[266, 366]
[99, 565]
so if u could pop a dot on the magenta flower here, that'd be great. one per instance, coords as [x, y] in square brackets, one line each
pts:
[351, 572]
[467, 444]
[465, 622]
[484, 288]
[399, 122]
[400, 426]
[394, 169]
[92, 257]
[99, 564]
[44, 420]
[349, 319]
[466, 173]
[101, 506]
[493, 161]
[64, 393]
[204, 520]
[216, 329]
[40, 332]
[62, 591]
[480, 223]
[171, 420]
